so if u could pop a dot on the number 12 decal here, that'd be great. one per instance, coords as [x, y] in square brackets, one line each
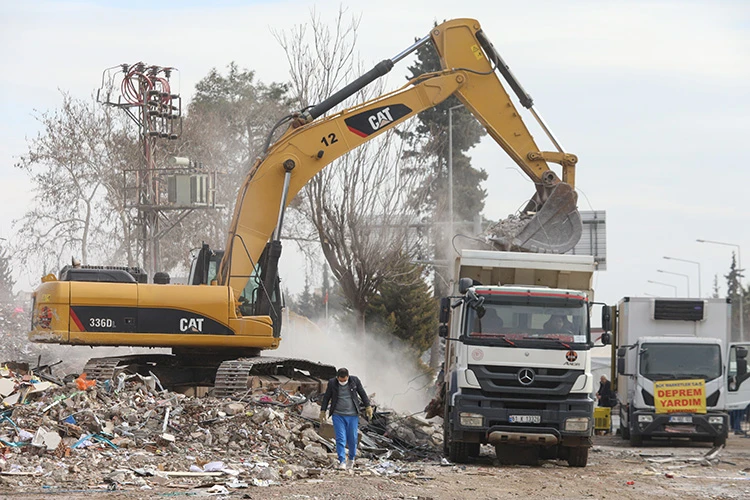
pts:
[330, 139]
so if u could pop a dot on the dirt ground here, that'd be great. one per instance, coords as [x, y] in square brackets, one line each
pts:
[614, 471]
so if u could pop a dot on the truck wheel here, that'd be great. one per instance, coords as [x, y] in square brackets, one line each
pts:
[624, 431]
[635, 439]
[578, 456]
[446, 438]
[458, 452]
[720, 441]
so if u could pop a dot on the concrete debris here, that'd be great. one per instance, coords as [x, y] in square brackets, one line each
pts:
[502, 233]
[130, 434]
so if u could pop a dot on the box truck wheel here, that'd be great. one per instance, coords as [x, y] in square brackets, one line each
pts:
[578, 456]
[624, 430]
[720, 441]
[636, 439]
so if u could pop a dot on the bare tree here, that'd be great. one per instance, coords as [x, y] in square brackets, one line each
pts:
[73, 164]
[358, 205]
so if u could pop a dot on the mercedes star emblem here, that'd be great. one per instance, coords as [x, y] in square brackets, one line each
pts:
[526, 376]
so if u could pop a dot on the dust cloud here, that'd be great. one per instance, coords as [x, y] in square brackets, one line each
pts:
[387, 371]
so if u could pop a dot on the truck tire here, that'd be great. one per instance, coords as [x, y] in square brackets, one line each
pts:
[458, 452]
[635, 439]
[578, 456]
[624, 431]
[720, 441]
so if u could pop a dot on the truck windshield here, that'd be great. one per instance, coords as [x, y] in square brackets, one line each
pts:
[680, 361]
[561, 321]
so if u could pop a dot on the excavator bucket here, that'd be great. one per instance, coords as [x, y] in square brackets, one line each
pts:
[555, 228]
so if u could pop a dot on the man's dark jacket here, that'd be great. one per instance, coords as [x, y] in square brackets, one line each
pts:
[607, 397]
[332, 394]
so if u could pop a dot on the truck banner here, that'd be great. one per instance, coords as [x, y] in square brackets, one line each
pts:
[683, 396]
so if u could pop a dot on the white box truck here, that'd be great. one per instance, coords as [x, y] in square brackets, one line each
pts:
[672, 376]
[517, 369]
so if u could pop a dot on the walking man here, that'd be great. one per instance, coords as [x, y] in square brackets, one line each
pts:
[344, 394]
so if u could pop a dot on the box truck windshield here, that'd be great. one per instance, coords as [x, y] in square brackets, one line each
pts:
[680, 361]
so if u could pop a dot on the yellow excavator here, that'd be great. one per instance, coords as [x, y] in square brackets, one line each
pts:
[230, 311]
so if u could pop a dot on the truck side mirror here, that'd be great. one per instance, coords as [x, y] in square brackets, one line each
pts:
[443, 331]
[621, 366]
[464, 284]
[606, 338]
[445, 310]
[621, 351]
[606, 319]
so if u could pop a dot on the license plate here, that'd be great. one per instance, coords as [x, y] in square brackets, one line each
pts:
[678, 419]
[524, 419]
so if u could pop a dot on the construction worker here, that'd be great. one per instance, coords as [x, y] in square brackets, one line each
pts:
[344, 394]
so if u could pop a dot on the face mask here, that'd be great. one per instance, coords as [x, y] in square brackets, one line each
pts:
[343, 383]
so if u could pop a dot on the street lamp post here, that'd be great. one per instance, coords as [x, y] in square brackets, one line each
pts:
[739, 266]
[700, 293]
[674, 287]
[450, 168]
[678, 274]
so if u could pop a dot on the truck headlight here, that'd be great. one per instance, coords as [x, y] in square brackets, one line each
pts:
[645, 419]
[715, 420]
[471, 419]
[577, 424]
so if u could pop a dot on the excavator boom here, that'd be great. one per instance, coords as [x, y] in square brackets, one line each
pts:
[469, 64]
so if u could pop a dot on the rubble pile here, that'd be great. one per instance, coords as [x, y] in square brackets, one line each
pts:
[503, 232]
[14, 324]
[131, 432]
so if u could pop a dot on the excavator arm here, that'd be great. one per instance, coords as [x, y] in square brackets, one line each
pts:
[310, 143]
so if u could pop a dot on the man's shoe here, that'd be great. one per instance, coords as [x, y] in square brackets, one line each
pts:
[349, 463]
[342, 466]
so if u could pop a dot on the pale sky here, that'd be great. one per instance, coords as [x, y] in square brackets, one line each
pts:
[651, 96]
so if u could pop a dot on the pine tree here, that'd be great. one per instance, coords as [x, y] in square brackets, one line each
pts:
[406, 307]
[736, 292]
[430, 139]
[325, 291]
[305, 301]
[6, 277]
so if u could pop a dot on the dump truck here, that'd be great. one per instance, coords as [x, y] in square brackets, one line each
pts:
[517, 369]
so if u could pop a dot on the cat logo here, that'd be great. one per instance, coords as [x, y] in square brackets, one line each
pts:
[373, 120]
[382, 118]
[194, 325]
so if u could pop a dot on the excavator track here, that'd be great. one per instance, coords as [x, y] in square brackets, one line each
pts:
[227, 377]
[241, 375]
[102, 368]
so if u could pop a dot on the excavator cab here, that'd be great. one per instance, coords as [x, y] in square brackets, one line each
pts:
[204, 270]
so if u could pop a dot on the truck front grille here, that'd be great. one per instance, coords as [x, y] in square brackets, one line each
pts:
[527, 381]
